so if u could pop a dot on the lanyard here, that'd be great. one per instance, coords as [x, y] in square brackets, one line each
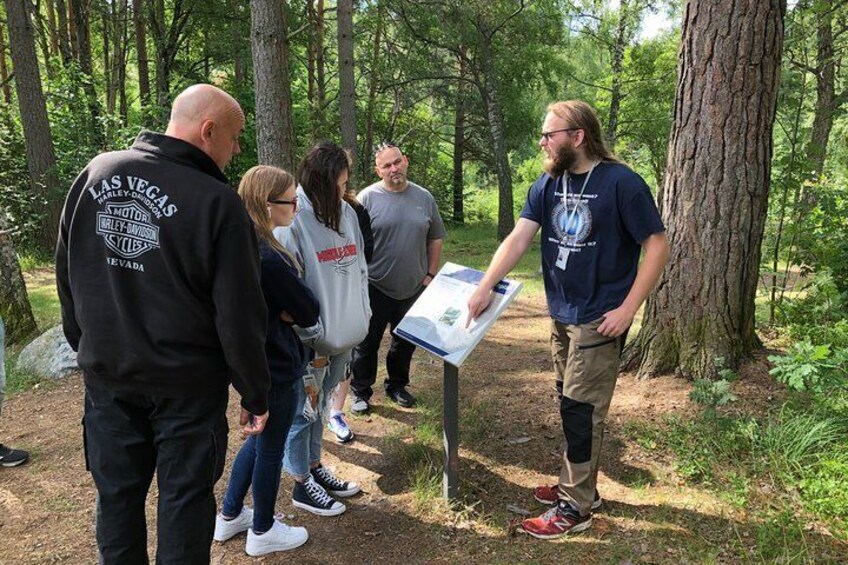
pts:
[579, 196]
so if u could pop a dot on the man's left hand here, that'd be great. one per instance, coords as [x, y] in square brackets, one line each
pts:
[427, 280]
[616, 322]
[252, 424]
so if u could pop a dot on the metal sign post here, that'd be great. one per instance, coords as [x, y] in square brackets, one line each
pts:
[450, 422]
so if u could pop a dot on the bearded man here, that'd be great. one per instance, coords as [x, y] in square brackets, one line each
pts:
[596, 216]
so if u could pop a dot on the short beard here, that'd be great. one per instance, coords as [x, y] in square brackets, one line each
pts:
[564, 159]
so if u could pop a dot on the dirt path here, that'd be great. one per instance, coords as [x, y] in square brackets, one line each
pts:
[510, 435]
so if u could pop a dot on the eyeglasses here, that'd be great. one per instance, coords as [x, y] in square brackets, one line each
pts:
[292, 202]
[548, 134]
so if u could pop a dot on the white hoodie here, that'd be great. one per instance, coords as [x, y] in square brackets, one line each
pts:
[334, 270]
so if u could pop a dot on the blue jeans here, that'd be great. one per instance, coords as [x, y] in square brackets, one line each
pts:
[259, 459]
[303, 446]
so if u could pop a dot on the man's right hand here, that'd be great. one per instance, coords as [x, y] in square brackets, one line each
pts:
[252, 424]
[478, 303]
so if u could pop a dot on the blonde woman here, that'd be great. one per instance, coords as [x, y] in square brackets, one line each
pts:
[271, 201]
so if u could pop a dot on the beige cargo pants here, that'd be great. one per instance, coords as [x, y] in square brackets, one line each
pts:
[586, 367]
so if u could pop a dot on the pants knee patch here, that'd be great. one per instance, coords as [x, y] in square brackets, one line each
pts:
[577, 427]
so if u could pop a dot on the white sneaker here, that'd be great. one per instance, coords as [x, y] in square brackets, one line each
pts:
[225, 529]
[279, 538]
[339, 427]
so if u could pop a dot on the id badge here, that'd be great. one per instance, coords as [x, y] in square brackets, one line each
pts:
[562, 258]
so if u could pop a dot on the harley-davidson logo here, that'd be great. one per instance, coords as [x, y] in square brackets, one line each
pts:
[127, 229]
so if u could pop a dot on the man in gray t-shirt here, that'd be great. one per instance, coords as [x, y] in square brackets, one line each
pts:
[408, 234]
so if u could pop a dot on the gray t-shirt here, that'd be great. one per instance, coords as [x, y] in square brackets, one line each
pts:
[403, 223]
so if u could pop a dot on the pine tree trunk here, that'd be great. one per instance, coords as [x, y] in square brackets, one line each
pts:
[4, 69]
[81, 20]
[141, 52]
[62, 31]
[42, 38]
[108, 82]
[616, 96]
[319, 101]
[506, 219]
[826, 104]
[272, 83]
[347, 86]
[715, 196]
[14, 302]
[459, 143]
[51, 25]
[373, 82]
[41, 158]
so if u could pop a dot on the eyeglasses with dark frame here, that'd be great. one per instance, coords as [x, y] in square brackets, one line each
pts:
[548, 134]
[292, 202]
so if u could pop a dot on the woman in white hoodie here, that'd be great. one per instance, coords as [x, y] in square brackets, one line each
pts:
[327, 240]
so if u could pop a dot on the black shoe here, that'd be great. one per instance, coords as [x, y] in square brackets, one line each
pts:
[401, 397]
[332, 484]
[312, 497]
[12, 457]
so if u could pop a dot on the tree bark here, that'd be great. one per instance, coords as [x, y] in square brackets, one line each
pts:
[41, 158]
[373, 82]
[826, 104]
[51, 25]
[81, 23]
[168, 39]
[319, 100]
[347, 85]
[62, 32]
[42, 38]
[621, 38]
[141, 52]
[15, 308]
[108, 82]
[506, 219]
[459, 143]
[715, 196]
[4, 69]
[72, 31]
[272, 82]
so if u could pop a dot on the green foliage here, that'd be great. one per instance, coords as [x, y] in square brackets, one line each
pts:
[798, 448]
[811, 368]
[712, 394]
[22, 207]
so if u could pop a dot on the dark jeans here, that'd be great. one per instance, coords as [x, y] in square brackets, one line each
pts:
[260, 458]
[363, 366]
[184, 440]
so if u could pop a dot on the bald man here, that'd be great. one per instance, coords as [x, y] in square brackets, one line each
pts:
[158, 277]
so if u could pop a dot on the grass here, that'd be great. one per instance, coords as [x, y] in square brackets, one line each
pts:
[788, 467]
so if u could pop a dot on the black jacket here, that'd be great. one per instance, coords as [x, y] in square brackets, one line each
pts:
[285, 292]
[158, 276]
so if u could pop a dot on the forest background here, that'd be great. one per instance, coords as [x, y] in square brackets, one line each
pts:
[741, 135]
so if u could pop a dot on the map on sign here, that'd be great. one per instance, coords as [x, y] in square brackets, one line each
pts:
[436, 322]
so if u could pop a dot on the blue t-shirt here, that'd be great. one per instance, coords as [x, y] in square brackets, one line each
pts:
[601, 238]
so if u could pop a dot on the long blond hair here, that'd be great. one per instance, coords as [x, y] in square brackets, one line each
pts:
[259, 185]
[577, 114]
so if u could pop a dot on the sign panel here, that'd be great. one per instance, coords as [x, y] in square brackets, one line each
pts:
[436, 322]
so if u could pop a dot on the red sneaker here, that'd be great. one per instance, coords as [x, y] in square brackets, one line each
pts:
[550, 495]
[560, 520]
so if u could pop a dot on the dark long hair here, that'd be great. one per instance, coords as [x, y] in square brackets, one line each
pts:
[318, 175]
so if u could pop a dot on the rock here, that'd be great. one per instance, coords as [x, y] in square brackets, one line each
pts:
[48, 356]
